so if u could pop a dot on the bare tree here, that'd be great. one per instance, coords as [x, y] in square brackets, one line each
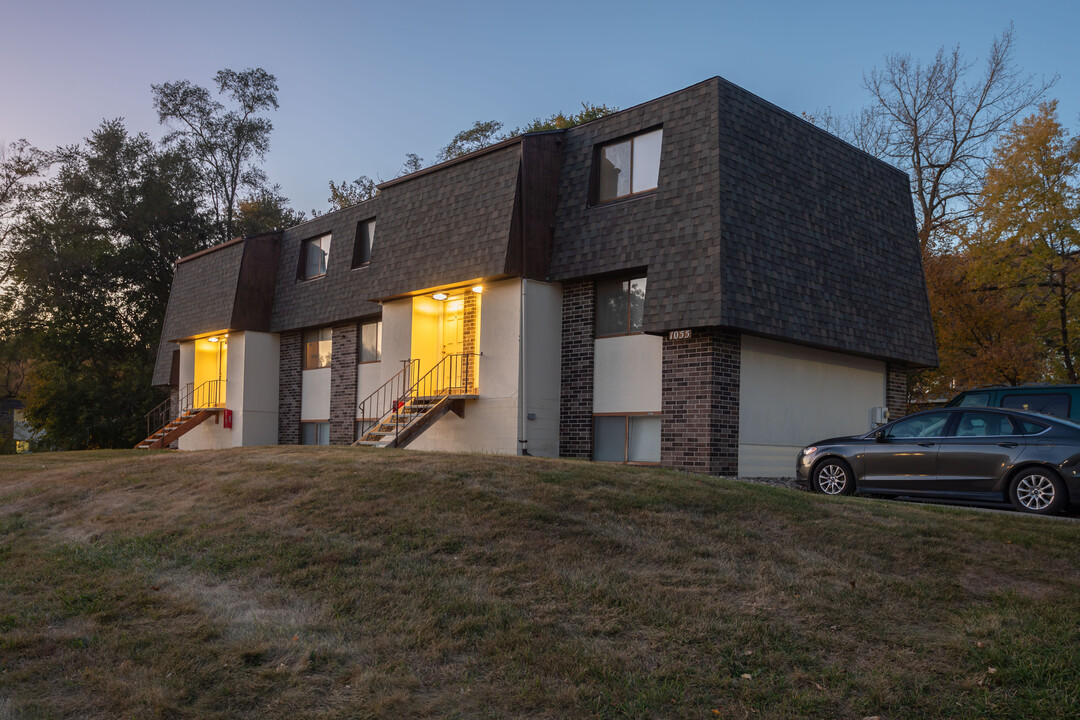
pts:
[938, 122]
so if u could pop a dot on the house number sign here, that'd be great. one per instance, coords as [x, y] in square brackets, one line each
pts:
[679, 335]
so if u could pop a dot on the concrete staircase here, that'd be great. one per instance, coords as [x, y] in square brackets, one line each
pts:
[400, 427]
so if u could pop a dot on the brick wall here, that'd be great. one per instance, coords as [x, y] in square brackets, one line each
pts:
[700, 391]
[470, 339]
[896, 377]
[289, 381]
[344, 355]
[576, 399]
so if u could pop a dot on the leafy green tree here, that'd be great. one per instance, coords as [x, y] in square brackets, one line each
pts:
[20, 163]
[485, 133]
[92, 264]
[265, 210]
[561, 121]
[226, 143]
[348, 194]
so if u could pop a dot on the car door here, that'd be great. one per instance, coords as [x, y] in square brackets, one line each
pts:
[906, 459]
[980, 449]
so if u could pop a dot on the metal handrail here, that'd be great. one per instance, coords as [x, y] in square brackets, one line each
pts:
[204, 397]
[455, 374]
[379, 403]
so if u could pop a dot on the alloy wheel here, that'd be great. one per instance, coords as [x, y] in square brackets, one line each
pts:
[1035, 492]
[832, 479]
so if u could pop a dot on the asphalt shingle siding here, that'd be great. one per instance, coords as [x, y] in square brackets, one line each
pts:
[200, 301]
[446, 226]
[819, 242]
[672, 231]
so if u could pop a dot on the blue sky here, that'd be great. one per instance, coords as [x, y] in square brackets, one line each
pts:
[361, 84]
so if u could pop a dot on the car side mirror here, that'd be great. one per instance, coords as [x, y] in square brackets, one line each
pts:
[880, 436]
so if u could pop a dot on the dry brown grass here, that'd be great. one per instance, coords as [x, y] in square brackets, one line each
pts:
[326, 582]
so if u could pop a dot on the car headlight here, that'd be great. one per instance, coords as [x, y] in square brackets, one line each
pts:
[809, 450]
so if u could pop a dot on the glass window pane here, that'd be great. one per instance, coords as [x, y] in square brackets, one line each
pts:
[365, 238]
[644, 443]
[1047, 404]
[647, 160]
[975, 400]
[609, 439]
[977, 424]
[324, 433]
[930, 425]
[370, 336]
[309, 434]
[1031, 428]
[317, 347]
[637, 304]
[611, 307]
[316, 251]
[615, 171]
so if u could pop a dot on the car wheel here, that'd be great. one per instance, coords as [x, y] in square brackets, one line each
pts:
[833, 476]
[1038, 491]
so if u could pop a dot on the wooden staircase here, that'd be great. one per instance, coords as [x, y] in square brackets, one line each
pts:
[405, 409]
[167, 435]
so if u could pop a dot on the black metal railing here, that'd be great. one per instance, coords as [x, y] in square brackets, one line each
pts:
[205, 396]
[453, 375]
[390, 396]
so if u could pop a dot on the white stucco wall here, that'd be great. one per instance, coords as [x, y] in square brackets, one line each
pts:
[490, 423]
[627, 374]
[791, 395]
[315, 395]
[396, 339]
[259, 411]
[543, 366]
[368, 380]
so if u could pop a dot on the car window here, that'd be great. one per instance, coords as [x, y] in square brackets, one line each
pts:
[984, 424]
[1028, 427]
[1056, 404]
[974, 400]
[920, 426]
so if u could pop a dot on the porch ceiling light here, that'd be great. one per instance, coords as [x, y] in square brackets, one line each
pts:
[439, 296]
[213, 339]
[478, 289]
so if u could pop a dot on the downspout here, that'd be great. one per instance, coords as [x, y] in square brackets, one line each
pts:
[523, 377]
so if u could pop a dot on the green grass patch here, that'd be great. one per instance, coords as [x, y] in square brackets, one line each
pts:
[332, 582]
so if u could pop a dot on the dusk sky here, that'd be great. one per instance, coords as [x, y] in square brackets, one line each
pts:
[361, 84]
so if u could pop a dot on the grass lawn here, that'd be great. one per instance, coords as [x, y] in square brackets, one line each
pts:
[332, 582]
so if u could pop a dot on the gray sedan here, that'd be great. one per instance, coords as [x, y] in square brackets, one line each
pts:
[972, 454]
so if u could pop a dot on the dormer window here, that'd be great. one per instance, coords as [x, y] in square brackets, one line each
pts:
[365, 238]
[627, 167]
[314, 253]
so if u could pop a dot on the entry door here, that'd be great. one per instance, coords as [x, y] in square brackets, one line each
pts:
[453, 343]
[907, 460]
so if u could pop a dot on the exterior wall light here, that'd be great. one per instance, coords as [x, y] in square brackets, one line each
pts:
[213, 339]
[478, 289]
[439, 296]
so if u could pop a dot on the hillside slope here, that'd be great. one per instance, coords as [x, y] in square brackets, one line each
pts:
[331, 582]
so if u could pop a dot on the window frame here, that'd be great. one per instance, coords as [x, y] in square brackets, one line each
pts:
[626, 437]
[304, 349]
[598, 157]
[362, 248]
[317, 424]
[360, 342]
[629, 306]
[301, 268]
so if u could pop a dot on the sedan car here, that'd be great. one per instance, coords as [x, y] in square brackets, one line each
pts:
[973, 454]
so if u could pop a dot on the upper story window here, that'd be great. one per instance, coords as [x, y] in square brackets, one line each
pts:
[628, 167]
[365, 238]
[317, 344]
[620, 306]
[313, 256]
[371, 342]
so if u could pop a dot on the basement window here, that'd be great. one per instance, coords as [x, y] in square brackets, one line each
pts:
[315, 433]
[314, 253]
[626, 438]
[627, 167]
[365, 238]
[317, 347]
[620, 307]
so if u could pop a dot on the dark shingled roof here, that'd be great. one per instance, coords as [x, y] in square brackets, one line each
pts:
[228, 287]
[760, 222]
